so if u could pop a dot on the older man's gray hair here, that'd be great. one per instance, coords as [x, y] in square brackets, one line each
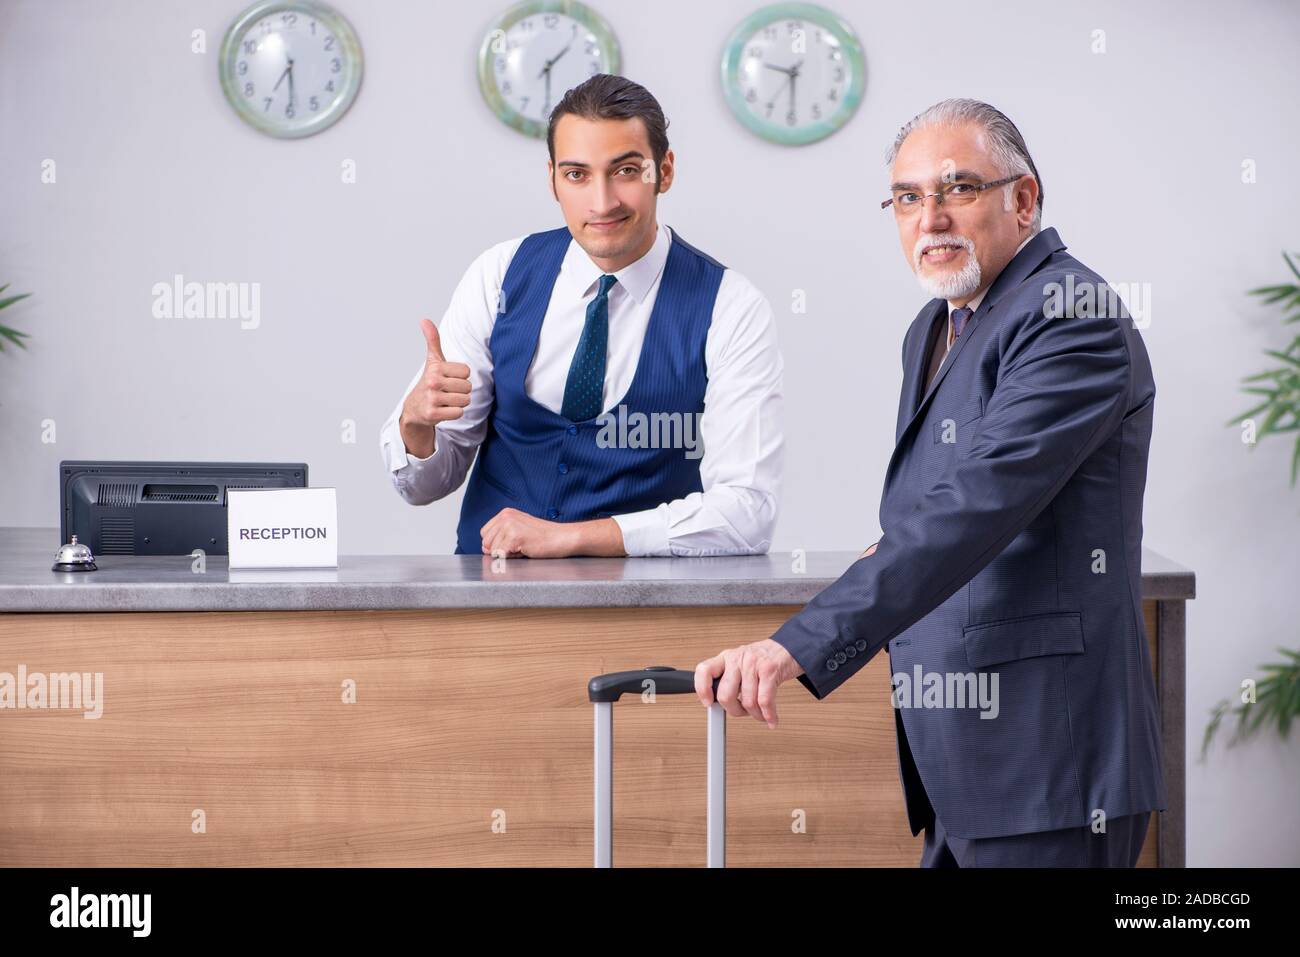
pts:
[1010, 154]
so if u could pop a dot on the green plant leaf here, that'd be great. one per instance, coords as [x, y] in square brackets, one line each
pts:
[12, 299]
[1295, 272]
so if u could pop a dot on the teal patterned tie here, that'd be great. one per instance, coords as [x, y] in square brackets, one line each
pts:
[584, 391]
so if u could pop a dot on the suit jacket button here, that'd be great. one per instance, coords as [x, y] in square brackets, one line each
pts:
[850, 651]
[841, 657]
[831, 664]
[861, 644]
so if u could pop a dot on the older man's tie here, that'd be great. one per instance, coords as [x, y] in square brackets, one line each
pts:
[584, 391]
[959, 319]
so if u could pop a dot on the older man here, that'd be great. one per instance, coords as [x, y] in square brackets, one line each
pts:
[1010, 561]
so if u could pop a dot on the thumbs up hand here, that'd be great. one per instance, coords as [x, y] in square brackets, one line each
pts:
[441, 394]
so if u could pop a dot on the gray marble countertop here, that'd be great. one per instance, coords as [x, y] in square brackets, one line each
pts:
[390, 582]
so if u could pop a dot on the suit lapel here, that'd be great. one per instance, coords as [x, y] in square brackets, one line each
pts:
[918, 361]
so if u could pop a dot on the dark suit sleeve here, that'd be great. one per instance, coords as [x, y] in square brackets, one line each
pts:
[1063, 389]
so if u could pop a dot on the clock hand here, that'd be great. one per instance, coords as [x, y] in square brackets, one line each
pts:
[277, 82]
[777, 92]
[551, 62]
[773, 66]
[291, 83]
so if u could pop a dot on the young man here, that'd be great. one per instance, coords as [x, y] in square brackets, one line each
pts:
[588, 364]
[1012, 519]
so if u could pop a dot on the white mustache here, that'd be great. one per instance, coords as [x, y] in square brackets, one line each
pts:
[940, 239]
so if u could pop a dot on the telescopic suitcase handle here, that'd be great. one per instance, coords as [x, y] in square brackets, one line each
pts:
[603, 691]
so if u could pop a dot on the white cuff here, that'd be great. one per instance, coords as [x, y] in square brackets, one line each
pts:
[645, 533]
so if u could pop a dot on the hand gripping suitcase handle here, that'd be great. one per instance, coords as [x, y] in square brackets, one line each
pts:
[612, 686]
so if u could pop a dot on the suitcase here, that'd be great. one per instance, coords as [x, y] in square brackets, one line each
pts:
[603, 691]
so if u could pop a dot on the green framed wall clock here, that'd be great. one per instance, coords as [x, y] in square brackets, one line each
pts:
[535, 52]
[793, 73]
[290, 68]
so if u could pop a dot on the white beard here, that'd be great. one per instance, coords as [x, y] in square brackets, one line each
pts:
[953, 285]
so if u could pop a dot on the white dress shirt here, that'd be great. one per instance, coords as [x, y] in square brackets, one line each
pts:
[740, 428]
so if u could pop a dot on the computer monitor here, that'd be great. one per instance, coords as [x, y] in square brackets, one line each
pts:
[159, 508]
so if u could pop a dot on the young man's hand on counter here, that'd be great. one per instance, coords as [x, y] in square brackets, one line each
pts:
[515, 534]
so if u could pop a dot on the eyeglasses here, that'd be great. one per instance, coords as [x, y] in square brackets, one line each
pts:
[908, 201]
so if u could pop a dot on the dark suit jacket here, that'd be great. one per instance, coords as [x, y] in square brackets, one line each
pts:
[1012, 542]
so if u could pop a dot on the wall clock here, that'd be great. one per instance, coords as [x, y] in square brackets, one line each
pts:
[535, 52]
[793, 73]
[290, 68]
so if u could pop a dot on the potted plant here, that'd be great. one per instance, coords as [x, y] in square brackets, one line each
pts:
[1275, 698]
[13, 335]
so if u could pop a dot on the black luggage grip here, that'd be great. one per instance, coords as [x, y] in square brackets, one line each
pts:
[612, 686]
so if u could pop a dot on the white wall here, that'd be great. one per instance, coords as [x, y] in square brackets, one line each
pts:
[1140, 149]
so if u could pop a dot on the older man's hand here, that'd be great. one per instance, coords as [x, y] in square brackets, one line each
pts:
[750, 675]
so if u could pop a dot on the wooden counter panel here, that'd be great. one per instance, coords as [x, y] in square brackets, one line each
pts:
[461, 717]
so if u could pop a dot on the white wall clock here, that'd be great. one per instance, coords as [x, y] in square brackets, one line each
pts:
[535, 52]
[793, 73]
[290, 68]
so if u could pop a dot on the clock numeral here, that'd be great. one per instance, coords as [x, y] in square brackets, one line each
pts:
[267, 100]
[593, 48]
[523, 104]
[248, 89]
[793, 25]
[335, 65]
[505, 87]
[288, 111]
[526, 24]
[266, 26]
[329, 43]
[817, 111]
[835, 54]
[751, 96]
[243, 67]
[593, 67]
[501, 64]
[313, 28]
[791, 119]
[839, 74]
[330, 86]
[770, 32]
[755, 53]
[833, 95]
[768, 114]
[313, 104]
[289, 19]
[551, 21]
[250, 46]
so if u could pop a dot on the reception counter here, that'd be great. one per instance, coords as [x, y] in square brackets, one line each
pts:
[432, 710]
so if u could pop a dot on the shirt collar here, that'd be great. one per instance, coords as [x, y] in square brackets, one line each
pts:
[636, 278]
[974, 304]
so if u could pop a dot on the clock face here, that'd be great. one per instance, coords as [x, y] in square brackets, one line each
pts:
[793, 73]
[290, 69]
[538, 51]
